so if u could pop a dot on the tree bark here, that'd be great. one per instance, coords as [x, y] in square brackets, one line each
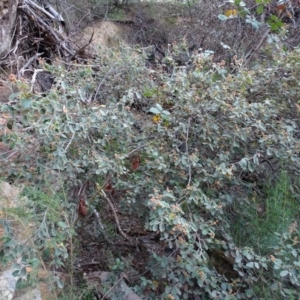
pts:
[8, 14]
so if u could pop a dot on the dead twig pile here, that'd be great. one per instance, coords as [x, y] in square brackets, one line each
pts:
[39, 33]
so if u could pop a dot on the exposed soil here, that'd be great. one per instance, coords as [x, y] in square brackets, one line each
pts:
[106, 34]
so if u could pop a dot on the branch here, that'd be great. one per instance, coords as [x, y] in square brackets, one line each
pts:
[114, 212]
[98, 88]
[70, 142]
[27, 10]
[34, 78]
[187, 151]
[98, 219]
[136, 149]
[22, 71]
[252, 51]
[78, 51]
[42, 9]
[119, 286]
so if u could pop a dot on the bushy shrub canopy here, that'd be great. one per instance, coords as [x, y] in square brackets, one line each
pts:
[186, 172]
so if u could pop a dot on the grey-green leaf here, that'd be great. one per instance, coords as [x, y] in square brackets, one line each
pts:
[154, 110]
[222, 17]
[284, 273]
[159, 107]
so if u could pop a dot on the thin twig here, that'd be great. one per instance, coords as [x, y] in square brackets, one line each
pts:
[14, 50]
[82, 48]
[102, 230]
[136, 149]
[268, 162]
[187, 151]
[79, 22]
[98, 219]
[257, 47]
[151, 268]
[197, 235]
[70, 142]
[98, 88]
[115, 215]
[33, 80]
[21, 72]
[54, 33]
[82, 189]
[37, 252]
[111, 288]
[39, 8]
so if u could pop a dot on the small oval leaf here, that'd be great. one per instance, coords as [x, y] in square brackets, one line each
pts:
[222, 17]
[284, 273]
[154, 110]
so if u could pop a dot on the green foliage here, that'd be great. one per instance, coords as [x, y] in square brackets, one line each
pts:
[269, 225]
[274, 21]
[37, 232]
[226, 135]
[268, 216]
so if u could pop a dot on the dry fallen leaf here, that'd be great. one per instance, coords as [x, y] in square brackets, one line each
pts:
[82, 208]
[109, 189]
[135, 163]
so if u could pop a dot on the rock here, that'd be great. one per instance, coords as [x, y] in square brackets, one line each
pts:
[7, 285]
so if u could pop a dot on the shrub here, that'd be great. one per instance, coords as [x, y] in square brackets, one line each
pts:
[224, 136]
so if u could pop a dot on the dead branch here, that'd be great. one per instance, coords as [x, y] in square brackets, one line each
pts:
[46, 28]
[96, 214]
[252, 51]
[115, 215]
[34, 35]
[39, 8]
[80, 50]
[33, 80]
[33, 58]
[119, 287]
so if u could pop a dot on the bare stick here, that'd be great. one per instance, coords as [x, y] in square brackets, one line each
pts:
[111, 288]
[115, 214]
[22, 71]
[34, 78]
[187, 151]
[98, 88]
[48, 28]
[82, 48]
[257, 47]
[70, 142]
[136, 149]
[119, 286]
[98, 219]
[39, 8]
